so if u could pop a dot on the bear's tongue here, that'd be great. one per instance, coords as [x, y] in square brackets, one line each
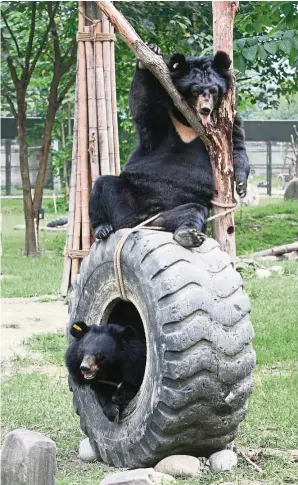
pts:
[205, 119]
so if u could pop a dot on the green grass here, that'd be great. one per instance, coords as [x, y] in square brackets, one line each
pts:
[52, 346]
[33, 276]
[256, 231]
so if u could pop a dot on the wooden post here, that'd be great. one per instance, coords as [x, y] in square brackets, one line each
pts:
[220, 136]
[216, 137]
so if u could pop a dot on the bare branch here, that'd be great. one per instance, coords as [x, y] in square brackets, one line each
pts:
[11, 105]
[42, 42]
[10, 64]
[11, 33]
[54, 33]
[29, 45]
[70, 57]
[70, 51]
[64, 91]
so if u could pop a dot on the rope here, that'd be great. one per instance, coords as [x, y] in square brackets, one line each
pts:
[117, 255]
[90, 36]
[120, 244]
[76, 253]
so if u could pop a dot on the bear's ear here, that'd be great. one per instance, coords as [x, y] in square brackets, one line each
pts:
[79, 329]
[121, 333]
[177, 63]
[221, 61]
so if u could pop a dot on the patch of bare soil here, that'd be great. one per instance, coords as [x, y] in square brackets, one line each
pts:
[23, 317]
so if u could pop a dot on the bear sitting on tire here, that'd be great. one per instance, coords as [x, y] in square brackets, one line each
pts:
[169, 173]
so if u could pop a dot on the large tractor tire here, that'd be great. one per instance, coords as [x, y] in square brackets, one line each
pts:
[195, 317]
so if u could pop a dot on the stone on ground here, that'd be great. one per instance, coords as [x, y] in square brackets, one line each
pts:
[86, 452]
[263, 273]
[28, 458]
[292, 256]
[180, 465]
[291, 191]
[222, 461]
[140, 476]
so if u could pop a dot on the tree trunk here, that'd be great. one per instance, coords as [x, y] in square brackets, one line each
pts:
[31, 247]
[46, 146]
[220, 134]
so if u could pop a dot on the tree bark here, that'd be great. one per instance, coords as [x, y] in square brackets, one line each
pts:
[220, 134]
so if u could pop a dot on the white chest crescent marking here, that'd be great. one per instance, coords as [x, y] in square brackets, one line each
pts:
[186, 133]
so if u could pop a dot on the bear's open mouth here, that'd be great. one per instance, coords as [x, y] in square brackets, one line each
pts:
[205, 119]
[90, 374]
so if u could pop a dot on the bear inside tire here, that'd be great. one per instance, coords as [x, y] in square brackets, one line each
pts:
[198, 334]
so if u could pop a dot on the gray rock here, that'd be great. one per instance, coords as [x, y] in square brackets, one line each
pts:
[86, 452]
[140, 476]
[292, 256]
[263, 273]
[180, 465]
[291, 191]
[28, 458]
[222, 461]
[163, 479]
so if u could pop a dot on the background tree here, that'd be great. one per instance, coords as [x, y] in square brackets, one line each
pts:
[38, 40]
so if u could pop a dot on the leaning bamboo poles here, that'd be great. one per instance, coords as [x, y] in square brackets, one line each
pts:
[95, 139]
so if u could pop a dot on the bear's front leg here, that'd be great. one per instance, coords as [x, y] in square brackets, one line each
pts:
[124, 395]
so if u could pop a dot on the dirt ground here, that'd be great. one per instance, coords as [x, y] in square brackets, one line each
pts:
[22, 317]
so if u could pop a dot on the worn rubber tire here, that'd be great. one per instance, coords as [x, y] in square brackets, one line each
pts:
[199, 351]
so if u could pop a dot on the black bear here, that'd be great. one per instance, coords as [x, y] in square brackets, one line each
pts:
[169, 172]
[111, 359]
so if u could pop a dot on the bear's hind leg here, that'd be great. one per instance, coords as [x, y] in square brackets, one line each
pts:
[187, 222]
[110, 206]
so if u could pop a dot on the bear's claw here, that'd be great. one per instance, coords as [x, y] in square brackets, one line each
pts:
[189, 237]
[103, 231]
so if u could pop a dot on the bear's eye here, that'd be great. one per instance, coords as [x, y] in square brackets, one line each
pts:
[213, 91]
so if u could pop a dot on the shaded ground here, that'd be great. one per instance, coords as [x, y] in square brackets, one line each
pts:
[23, 317]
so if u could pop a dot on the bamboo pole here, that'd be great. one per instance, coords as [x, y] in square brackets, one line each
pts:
[108, 92]
[114, 106]
[92, 116]
[77, 224]
[72, 197]
[83, 137]
[101, 107]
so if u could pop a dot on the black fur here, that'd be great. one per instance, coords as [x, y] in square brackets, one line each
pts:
[164, 174]
[120, 358]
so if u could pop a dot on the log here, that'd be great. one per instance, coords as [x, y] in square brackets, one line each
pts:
[153, 62]
[278, 250]
[216, 137]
